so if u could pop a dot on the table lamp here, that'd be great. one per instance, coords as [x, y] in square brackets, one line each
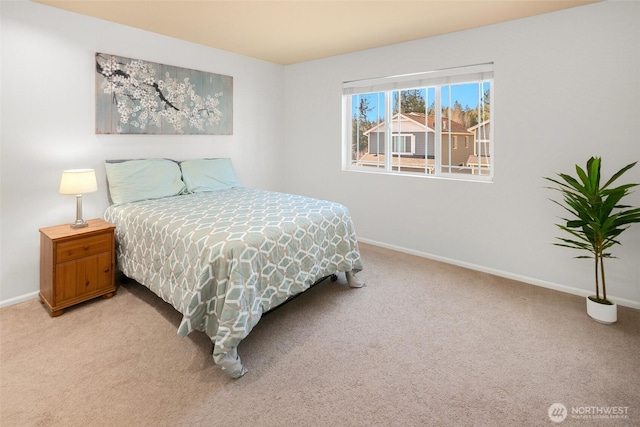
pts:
[77, 182]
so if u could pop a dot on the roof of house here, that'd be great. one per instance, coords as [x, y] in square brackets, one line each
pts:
[420, 164]
[370, 159]
[421, 118]
[472, 128]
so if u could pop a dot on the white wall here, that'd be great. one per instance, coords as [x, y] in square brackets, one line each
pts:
[566, 88]
[48, 107]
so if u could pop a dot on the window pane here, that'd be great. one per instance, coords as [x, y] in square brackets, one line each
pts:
[463, 105]
[408, 126]
[368, 129]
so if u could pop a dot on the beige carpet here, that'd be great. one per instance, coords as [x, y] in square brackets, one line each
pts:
[424, 344]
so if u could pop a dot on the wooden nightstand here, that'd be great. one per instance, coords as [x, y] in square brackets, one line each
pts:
[76, 264]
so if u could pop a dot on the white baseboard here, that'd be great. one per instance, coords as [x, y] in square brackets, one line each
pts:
[19, 299]
[529, 280]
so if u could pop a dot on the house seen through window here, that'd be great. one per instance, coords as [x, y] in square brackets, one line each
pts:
[436, 123]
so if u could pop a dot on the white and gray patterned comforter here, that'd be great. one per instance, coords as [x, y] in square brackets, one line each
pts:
[223, 258]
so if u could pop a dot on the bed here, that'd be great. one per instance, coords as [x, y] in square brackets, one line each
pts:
[218, 252]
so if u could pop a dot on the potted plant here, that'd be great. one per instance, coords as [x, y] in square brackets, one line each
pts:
[596, 220]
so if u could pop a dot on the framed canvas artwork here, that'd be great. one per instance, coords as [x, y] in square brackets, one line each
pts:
[141, 97]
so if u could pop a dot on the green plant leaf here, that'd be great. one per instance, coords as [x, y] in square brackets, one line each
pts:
[618, 174]
[593, 166]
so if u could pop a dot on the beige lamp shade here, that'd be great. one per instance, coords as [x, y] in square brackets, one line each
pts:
[78, 181]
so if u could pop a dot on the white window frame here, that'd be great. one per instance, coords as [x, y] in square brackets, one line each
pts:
[433, 79]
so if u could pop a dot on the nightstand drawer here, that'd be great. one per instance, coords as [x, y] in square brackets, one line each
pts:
[82, 247]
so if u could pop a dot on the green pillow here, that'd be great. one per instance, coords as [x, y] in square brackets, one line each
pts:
[133, 180]
[208, 175]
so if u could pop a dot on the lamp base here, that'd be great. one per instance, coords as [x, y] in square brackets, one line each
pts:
[80, 223]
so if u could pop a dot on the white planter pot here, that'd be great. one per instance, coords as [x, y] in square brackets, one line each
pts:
[602, 313]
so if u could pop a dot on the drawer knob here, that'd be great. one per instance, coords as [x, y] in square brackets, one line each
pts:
[85, 247]
[88, 283]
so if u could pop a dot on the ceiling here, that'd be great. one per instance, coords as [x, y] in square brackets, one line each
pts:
[290, 31]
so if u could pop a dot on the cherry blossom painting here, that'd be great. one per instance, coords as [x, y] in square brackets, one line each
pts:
[141, 97]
